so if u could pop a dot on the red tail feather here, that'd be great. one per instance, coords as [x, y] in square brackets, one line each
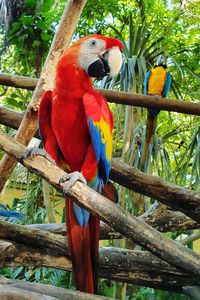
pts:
[83, 243]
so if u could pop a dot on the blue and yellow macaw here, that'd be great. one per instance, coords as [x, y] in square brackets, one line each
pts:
[157, 83]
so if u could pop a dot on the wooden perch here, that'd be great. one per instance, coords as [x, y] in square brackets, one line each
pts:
[22, 82]
[163, 219]
[136, 267]
[172, 195]
[106, 232]
[17, 289]
[123, 222]
[157, 216]
[116, 97]
[185, 200]
[60, 42]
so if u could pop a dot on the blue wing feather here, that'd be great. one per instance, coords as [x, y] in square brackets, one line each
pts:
[100, 151]
[39, 130]
[146, 81]
[167, 85]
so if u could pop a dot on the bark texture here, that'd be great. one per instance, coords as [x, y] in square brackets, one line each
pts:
[32, 247]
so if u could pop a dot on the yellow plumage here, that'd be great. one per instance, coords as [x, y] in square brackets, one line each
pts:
[157, 81]
[106, 136]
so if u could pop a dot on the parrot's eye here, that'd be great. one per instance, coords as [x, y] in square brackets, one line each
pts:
[93, 43]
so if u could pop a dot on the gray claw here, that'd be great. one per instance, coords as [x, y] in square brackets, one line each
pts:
[31, 152]
[157, 96]
[71, 179]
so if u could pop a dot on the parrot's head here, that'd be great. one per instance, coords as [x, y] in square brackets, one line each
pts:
[97, 55]
[161, 61]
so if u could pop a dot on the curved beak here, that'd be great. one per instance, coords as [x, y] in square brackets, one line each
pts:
[109, 63]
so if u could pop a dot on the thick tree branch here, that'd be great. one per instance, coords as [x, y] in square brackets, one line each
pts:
[163, 219]
[18, 289]
[157, 216]
[185, 200]
[172, 195]
[61, 41]
[22, 82]
[131, 227]
[117, 97]
[137, 267]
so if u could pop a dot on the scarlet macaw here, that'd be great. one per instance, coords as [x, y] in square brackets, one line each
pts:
[157, 83]
[76, 128]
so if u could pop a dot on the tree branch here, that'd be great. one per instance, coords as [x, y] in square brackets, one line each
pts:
[18, 289]
[61, 41]
[157, 216]
[118, 97]
[163, 219]
[136, 267]
[185, 200]
[191, 238]
[128, 225]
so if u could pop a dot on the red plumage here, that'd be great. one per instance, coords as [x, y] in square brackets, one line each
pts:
[76, 128]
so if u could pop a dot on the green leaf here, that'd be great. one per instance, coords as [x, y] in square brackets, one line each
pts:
[45, 36]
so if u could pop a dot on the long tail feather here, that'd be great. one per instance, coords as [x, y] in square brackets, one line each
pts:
[94, 237]
[83, 243]
[150, 130]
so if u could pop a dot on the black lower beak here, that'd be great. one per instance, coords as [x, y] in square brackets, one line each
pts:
[100, 67]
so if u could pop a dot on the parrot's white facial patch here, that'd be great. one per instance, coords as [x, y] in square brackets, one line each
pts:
[114, 61]
[91, 50]
[99, 61]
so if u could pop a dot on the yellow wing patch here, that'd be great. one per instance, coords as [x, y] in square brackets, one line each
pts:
[106, 136]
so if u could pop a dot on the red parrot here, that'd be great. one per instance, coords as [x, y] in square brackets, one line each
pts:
[76, 126]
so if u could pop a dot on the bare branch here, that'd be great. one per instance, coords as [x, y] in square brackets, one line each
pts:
[136, 267]
[185, 200]
[117, 97]
[18, 289]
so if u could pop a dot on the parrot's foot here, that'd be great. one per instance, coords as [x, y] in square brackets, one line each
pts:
[33, 151]
[71, 179]
[157, 96]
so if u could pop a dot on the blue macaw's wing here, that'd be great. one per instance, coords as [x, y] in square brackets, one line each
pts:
[146, 80]
[100, 123]
[167, 85]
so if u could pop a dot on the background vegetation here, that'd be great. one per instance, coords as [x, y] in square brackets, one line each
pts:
[147, 28]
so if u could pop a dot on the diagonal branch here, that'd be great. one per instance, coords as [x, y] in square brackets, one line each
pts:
[172, 195]
[185, 200]
[61, 40]
[123, 222]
